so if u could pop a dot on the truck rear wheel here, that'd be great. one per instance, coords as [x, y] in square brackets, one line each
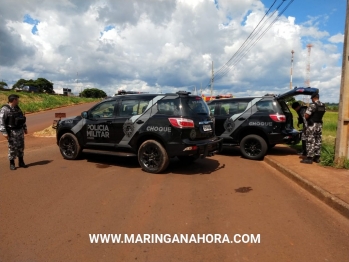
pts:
[253, 147]
[152, 157]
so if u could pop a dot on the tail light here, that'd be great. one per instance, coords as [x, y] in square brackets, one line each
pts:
[181, 122]
[278, 118]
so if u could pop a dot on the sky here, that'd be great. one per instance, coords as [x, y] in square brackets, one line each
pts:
[165, 46]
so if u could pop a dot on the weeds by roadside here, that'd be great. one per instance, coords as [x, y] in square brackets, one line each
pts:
[33, 102]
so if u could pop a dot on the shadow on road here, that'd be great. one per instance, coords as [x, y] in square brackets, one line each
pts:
[282, 151]
[40, 163]
[231, 151]
[276, 151]
[199, 167]
[105, 160]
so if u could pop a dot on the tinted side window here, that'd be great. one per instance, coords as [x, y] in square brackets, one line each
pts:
[168, 107]
[133, 107]
[227, 108]
[265, 106]
[104, 110]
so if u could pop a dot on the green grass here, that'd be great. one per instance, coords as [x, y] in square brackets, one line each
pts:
[329, 133]
[32, 102]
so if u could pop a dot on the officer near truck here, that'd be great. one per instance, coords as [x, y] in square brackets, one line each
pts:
[13, 127]
[313, 116]
[301, 121]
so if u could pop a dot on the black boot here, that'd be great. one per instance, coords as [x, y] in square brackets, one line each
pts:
[304, 149]
[21, 163]
[12, 165]
[308, 160]
[316, 159]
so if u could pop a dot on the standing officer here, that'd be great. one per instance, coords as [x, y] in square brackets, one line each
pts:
[301, 120]
[313, 115]
[13, 127]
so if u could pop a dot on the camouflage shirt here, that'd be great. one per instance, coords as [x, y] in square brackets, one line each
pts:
[312, 107]
[3, 120]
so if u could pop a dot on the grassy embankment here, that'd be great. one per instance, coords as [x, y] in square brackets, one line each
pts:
[31, 102]
[329, 133]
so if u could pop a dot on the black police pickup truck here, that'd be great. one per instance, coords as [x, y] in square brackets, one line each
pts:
[155, 127]
[256, 123]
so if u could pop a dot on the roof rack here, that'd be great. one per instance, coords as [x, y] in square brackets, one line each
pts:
[123, 92]
[183, 93]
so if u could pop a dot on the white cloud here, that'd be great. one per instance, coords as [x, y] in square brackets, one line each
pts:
[161, 46]
[338, 38]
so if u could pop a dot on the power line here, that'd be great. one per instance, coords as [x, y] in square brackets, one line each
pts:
[249, 43]
[242, 46]
[257, 40]
[252, 43]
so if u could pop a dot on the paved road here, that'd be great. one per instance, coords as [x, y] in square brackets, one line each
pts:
[49, 210]
[40, 121]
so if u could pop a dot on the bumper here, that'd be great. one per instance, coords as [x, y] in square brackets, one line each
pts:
[286, 137]
[201, 148]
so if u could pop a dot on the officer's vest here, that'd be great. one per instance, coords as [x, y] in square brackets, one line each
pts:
[15, 118]
[316, 117]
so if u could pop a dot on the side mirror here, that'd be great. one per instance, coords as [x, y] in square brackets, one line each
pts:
[84, 114]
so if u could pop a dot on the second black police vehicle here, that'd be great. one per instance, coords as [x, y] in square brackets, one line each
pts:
[155, 127]
[256, 123]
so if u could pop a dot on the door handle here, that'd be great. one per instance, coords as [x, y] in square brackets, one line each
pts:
[140, 122]
[241, 119]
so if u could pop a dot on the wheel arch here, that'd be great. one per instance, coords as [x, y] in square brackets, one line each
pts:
[149, 136]
[60, 133]
[252, 131]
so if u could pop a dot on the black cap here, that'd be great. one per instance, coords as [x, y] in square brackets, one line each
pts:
[315, 95]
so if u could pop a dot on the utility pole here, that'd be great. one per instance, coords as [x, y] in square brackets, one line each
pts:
[212, 79]
[342, 139]
[292, 52]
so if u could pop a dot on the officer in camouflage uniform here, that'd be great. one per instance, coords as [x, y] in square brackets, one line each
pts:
[313, 115]
[301, 121]
[13, 127]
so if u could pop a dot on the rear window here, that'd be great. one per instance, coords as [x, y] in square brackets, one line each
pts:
[195, 105]
[268, 106]
[183, 106]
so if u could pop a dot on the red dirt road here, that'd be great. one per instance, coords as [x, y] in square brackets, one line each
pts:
[48, 211]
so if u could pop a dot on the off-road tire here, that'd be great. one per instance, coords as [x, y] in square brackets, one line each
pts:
[152, 157]
[69, 146]
[253, 147]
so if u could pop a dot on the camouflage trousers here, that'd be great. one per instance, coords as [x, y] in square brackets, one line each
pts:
[314, 138]
[15, 144]
[303, 136]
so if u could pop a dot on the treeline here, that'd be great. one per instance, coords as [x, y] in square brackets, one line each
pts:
[40, 85]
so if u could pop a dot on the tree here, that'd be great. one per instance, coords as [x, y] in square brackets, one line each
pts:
[42, 84]
[2, 84]
[93, 93]
[19, 84]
